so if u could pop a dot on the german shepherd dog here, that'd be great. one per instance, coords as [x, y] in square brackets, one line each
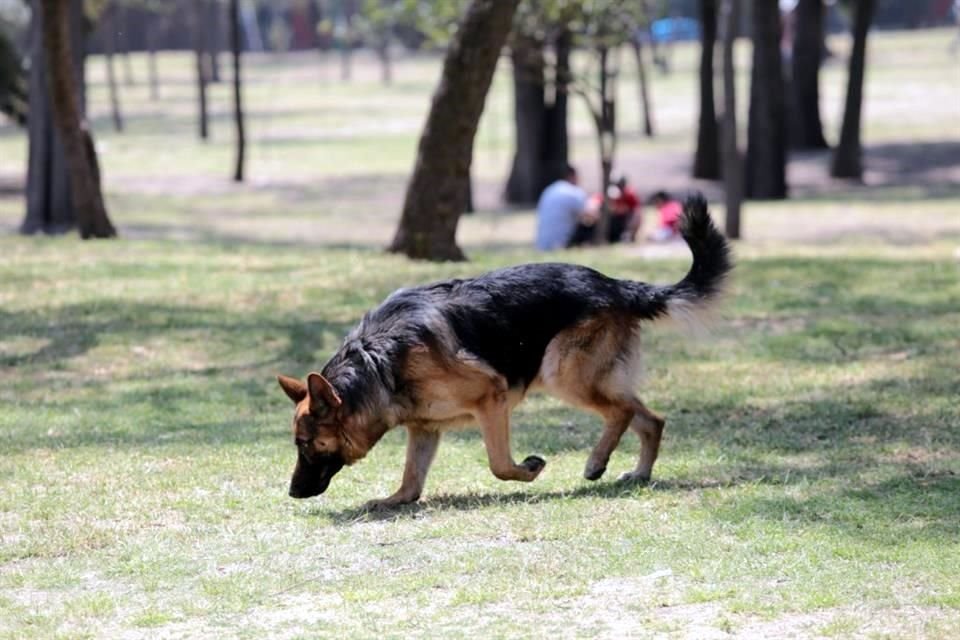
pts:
[437, 356]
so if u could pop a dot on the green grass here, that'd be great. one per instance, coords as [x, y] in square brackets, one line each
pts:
[808, 484]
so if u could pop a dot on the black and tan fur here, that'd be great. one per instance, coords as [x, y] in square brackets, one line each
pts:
[456, 352]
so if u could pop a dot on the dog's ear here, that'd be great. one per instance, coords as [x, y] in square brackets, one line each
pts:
[322, 394]
[294, 389]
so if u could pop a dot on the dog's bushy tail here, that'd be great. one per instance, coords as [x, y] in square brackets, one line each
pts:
[712, 263]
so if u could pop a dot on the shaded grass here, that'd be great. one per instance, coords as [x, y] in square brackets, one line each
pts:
[809, 467]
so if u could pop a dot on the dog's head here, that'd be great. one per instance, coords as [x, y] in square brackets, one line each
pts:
[317, 432]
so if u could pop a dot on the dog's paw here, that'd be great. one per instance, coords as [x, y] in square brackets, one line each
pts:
[634, 477]
[534, 464]
[592, 472]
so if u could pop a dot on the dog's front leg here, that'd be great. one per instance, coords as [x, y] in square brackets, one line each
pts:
[494, 419]
[421, 448]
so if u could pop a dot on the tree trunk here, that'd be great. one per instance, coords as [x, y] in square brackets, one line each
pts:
[807, 130]
[238, 117]
[200, 51]
[111, 26]
[766, 130]
[436, 193]
[706, 160]
[645, 102]
[386, 66]
[846, 159]
[50, 207]
[526, 173]
[732, 160]
[346, 44]
[121, 23]
[152, 36]
[555, 143]
[213, 38]
[78, 144]
[605, 122]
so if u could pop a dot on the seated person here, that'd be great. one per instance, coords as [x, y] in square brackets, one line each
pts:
[561, 207]
[626, 216]
[670, 211]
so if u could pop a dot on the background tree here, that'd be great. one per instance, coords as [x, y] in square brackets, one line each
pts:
[646, 102]
[50, 204]
[806, 131]
[201, 62]
[13, 81]
[706, 159]
[766, 131]
[238, 116]
[847, 157]
[79, 150]
[109, 26]
[437, 191]
[540, 55]
[732, 160]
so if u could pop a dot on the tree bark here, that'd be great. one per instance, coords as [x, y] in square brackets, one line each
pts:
[111, 25]
[706, 160]
[807, 129]
[201, 61]
[847, 157]
[526, 173]
[235, 46]
[78, 144]
[766, 130]
[437, 189]
[213, 38]
[152, 36]
[645, 102]
[50, 207]
[605, 122]
[386, 63]
[555, 143]
[732, 160]
[346, 44]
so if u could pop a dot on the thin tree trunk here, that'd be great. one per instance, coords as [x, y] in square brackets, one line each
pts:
[386, 66]
[766, 131]
[847, 161]
[605, 122]
[121, 23]
[706, 160]
[436, 193]
[78, 144]
[200, 51]
[346, 45]
[524, 183]
[645, 101]
[732, 160]
[235, 46]
[152, 35]
[807, 129]
[110, 40]
[213, 38]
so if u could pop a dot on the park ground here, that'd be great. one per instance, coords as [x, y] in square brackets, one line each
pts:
[809, 483]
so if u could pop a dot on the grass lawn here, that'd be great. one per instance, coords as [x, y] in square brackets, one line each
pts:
[809, 482]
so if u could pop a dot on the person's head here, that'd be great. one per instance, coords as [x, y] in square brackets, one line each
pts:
[570, 174]
[660, 197]
[621, 182]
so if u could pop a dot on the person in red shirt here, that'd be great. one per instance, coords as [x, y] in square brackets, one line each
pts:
[670, 211]
[626, 215]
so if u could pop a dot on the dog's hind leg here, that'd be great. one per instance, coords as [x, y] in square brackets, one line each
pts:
[421, 448]
[493, 415]
[617, 417]
[649, 426]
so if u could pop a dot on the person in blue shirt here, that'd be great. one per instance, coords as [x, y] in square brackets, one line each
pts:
[561, 207]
